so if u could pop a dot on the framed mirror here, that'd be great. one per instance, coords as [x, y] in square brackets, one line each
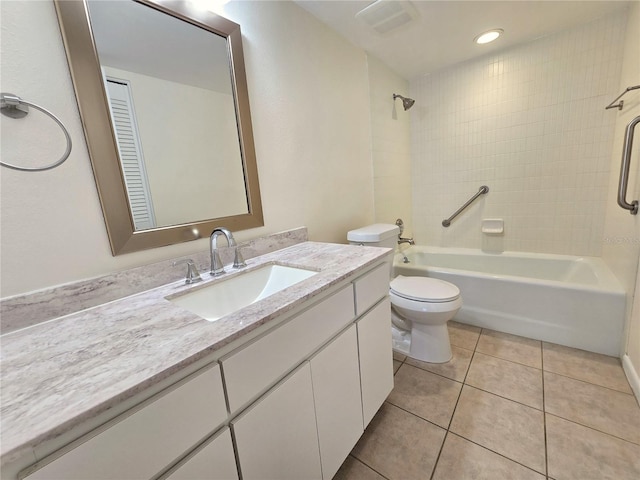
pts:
[162, 93]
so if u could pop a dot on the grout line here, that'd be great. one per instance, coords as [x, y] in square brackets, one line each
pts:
[435, 464]
[438, 374]
[497, 453]
[415, 415]
[592, 428]
[455, 407]
[590, 383]
[506, 398]
[543, 410]
[368, 466]
[509, 360]
[478, 339]
[466, 374]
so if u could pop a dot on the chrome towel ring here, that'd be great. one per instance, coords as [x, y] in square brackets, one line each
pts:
[13, 106]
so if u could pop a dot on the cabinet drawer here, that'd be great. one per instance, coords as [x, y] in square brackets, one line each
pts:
[215, 461]
[146, 441]
[371, 287]
[259, 365]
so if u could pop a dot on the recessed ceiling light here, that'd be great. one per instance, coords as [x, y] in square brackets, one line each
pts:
[489, 36]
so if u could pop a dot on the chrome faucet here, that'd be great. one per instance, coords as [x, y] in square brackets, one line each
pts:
[193, 276]
[217, 268]
[400, 225]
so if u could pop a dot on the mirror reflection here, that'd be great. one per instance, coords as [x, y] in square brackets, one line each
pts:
[172, 109]
[168, 96]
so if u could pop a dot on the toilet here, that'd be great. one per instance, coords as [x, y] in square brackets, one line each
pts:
[420, 306]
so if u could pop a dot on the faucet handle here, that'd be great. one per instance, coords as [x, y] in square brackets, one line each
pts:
[238, 260]
[193, 276]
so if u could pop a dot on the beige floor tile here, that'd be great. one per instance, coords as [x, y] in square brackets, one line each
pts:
[511, 347]
[396, 365]
[399, 445]
[607, 410]
[507, 379]
[354, 469]
[506, 427]
[455, 369]
[587, 366]
[425, 394]
[580, 453]
[463, 335]
[461, 459]
[398, 356]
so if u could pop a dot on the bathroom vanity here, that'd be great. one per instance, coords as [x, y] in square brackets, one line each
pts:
[142, 388]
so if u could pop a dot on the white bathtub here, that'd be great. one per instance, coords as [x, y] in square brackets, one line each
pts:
[573, 301]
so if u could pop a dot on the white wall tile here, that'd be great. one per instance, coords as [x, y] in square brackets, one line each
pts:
[530, 123]
[391, 145]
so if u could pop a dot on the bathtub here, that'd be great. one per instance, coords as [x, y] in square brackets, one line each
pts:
[572, 301]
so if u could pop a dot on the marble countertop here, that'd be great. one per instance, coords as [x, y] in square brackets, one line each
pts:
[59, 373]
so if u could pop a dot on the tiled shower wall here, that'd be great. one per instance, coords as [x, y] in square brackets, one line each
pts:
[390, 145]
[530, 123]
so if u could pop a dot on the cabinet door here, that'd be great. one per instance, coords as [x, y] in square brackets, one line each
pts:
[277, 437]
[376, 358]
[149, 439]
[215, 461]
[336, 389]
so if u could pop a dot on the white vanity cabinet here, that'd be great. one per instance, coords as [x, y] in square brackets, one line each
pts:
[376, 358]
[276, 438]
[215, 460]
[374, 339]
[305, 426]
[253, 368]
[336, 390]
[290, 403]
[146, 440]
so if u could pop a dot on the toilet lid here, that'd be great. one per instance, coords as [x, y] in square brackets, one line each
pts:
[424, 289]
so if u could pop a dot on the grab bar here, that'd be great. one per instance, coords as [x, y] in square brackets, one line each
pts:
[447, 221]
[624, 169]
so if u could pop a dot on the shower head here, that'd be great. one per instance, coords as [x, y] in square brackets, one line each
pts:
[407, 103]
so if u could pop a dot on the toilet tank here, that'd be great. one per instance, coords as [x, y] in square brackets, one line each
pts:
[377, 235]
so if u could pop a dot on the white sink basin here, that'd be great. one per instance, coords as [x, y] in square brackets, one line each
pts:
[228, 296]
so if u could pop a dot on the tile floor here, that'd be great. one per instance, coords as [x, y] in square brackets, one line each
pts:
[504, 407]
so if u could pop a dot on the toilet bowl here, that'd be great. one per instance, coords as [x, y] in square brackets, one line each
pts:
[420, 306]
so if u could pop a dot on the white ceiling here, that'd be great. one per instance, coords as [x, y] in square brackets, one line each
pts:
[443, 33]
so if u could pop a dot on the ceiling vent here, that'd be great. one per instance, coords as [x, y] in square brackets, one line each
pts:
[385, 16]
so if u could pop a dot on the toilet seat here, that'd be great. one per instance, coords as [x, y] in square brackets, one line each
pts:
[424, 289]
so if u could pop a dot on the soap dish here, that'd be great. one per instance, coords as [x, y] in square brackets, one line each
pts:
[493, 226]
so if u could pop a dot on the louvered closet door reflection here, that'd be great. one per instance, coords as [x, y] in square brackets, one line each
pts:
[131, 158]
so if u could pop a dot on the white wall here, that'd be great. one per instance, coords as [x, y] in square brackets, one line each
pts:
[391, 145]
[308, 90]
[530, 123]
[181, 173]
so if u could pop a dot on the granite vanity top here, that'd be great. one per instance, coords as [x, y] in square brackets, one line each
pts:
[59, 373]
